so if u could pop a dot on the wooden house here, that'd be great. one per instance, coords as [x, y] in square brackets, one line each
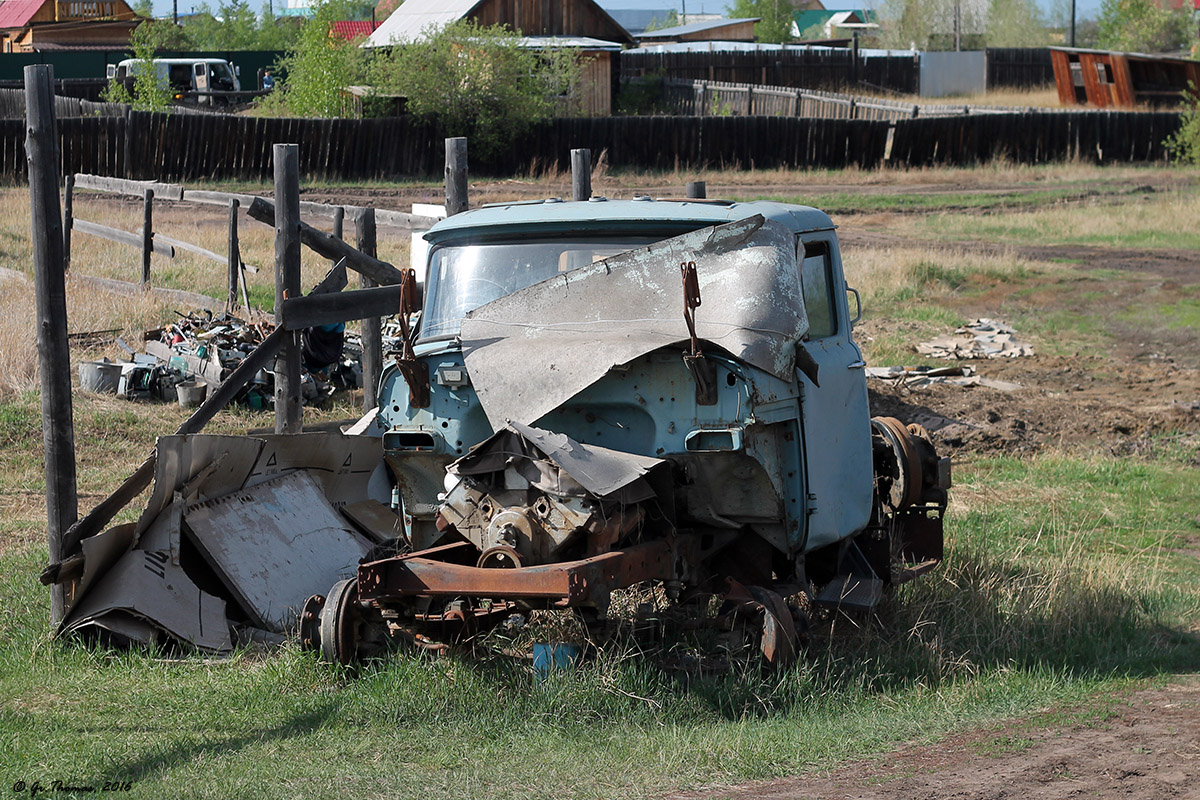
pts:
[718, 30]
[34, 25]
[579, 25]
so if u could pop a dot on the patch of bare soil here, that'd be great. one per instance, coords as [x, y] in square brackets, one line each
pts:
[1148, 749]
[1065, 403]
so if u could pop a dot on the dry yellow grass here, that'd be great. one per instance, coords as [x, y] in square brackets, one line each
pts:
[879, 271]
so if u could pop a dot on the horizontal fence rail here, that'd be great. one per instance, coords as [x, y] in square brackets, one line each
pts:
[176, 147]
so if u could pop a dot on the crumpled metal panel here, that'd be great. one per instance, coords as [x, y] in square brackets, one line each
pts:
[531, 351]
[556, 463]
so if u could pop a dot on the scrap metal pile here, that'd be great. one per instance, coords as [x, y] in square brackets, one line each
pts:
[199, 350]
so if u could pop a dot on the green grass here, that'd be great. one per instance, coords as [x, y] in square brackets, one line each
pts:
[1067, 587]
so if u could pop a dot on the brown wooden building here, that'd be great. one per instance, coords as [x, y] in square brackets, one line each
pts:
[579, 25]
[32, 25]
[717, 30]
[1109, 79]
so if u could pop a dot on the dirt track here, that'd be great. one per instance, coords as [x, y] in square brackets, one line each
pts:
[1148, 749]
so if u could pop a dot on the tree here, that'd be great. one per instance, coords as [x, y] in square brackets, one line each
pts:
[1184, 144]
[151, 92]
[907, 23]
[668, 20]
[776, 18]
[234, 26]
[1015, 23]
[319, 68]
[479, 82]
[1144, 26]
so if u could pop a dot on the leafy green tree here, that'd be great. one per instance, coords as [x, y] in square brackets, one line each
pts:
[1184, 144]
[907, 23]
[479, 82]
[668, 20]
[1144, 26]
[776, 23]
[235, 26]
[319, 68]
[1015, 23]
[151, 92]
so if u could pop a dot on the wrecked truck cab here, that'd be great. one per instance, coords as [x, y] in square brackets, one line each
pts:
[602, 393]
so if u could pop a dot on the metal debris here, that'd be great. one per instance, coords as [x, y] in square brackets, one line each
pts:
[205, 347]
[916, 377]
[237, 531]
[983, 338]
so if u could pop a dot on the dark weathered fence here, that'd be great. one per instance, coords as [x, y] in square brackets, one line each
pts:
[1032, 138]
[174, 147]
[793, 68]
[1019, 67]
[716, 98]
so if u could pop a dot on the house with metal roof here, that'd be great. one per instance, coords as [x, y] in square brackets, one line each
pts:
[578, 25]
[718, 30]
[33, 25]
[415, 18]
[831, 23]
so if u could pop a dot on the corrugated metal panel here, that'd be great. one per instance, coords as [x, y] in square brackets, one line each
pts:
[949, 73]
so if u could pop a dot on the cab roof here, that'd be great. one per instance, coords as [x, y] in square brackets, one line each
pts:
[599, 214]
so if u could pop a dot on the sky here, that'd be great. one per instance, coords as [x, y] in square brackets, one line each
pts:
[1084, 8]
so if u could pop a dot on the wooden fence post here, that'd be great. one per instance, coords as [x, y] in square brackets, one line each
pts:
[456, 176]
[54, 354]
[372, 335]
[696, 190]
[288, 417]
[147, 234]
[581, 174]
[339, 226]
[68, 219]
[235, 256]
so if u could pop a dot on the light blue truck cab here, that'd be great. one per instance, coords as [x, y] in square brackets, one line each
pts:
[605, 392]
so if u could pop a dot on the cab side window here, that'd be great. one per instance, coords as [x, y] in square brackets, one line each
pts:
[815, 280]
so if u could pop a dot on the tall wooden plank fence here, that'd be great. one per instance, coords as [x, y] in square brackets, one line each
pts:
[171, 147]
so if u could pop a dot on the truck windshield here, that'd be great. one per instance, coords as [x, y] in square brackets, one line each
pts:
[463, 277]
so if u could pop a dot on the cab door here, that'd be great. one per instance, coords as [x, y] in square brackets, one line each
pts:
[200, 82]
[836, 427]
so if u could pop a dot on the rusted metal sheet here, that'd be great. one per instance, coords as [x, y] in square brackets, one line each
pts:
[573, 582]
[275, 546]
[531, 351]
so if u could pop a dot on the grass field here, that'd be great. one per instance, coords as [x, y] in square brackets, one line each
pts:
[1069, 578]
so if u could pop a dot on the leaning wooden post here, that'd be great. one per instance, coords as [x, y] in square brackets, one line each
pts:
[68, 219]
[696, 190]
[234, 260]
[287, 284]
[339, 225]
[372, 335]
[54, 355]
[147, 234]
[581, 174]
[456, 176]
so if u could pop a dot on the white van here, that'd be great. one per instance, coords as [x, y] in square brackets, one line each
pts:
[185, 76]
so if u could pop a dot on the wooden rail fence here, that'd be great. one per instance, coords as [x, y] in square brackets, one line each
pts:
[718, 98]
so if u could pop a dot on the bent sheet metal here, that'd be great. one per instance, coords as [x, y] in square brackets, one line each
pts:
[531, 351]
